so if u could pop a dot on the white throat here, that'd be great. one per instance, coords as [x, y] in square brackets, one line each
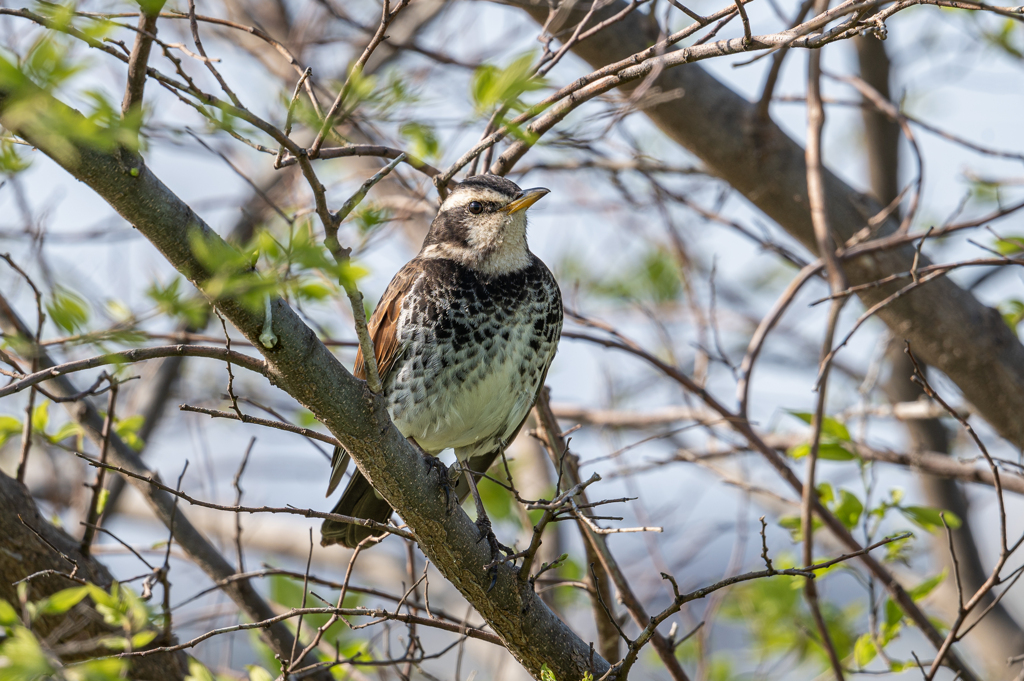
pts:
[495, 248]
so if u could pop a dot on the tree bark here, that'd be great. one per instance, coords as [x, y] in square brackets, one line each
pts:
[948, 328]
[23, 553]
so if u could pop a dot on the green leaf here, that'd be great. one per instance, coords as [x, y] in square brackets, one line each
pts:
[792, 523]
[893, 613]
[22, 657]
[9, 426]
[41, 416]
[827, 451]
[62, 601]
[139, 640]
[829, 426]
[825, 493]
[849, 509]
[101, 597]
[257, 673]
[1011, 245]
[98, 670]
[101, 502]
[930, 519]
[654, 277]
[864, 650]
[128, 429]
[11, 161]
[68, 310]
[151, 6]
[197, 672]
[422, 140]
[316, 290]
[1013, 312]
[546, 674]
[170, 301]
[69, 429]
[369, 217]
[927, 586]
[899, 550]
[8, 615]
[492, 86]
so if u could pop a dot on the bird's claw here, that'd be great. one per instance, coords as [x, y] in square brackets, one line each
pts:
[444, 478]
[483, 525]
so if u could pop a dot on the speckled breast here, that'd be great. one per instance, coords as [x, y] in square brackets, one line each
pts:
[473, 353]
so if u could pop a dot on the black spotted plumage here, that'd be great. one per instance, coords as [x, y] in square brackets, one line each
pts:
[464, 336]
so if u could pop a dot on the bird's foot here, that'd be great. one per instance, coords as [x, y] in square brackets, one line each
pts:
[483, 525]
[444, 478]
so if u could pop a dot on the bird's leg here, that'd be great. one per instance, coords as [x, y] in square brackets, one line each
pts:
[483, 524]
[435, 465]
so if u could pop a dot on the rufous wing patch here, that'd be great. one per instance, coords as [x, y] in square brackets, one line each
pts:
[383, 324]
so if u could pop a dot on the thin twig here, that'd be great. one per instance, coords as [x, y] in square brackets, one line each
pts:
[136, 355]
[305, 512]
[98, 499]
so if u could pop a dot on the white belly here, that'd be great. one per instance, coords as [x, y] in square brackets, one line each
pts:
[485, 407]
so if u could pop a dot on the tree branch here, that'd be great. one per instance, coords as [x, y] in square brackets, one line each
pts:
[135, 355]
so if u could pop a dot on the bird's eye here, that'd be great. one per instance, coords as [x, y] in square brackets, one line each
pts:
[475, 207]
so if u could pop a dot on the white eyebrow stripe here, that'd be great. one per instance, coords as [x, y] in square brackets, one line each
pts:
[457, 199]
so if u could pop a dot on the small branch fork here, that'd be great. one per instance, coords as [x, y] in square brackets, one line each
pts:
[388, 15]
[254, 420]
[26, 433]
[341, 256]
[568, 464]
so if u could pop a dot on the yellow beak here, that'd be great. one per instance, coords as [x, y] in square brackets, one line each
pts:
[529, 197]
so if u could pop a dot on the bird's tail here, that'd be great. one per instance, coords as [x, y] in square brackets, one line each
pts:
[360, 501]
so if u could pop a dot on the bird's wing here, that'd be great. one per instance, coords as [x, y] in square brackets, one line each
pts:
[383, 324]
[383, 329]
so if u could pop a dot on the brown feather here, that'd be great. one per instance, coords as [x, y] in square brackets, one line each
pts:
[383, 325]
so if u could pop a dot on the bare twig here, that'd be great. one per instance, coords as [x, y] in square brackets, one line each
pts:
[355, 71]
[280, 425]
[136, 355]
[138, 61]
[307, 512]
[97, 501]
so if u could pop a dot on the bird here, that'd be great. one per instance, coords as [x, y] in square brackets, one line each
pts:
[463, 337]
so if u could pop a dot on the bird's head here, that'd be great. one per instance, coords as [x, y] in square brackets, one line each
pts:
[482, 224]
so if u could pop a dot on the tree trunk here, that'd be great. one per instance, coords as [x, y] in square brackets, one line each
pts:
[23, 553]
